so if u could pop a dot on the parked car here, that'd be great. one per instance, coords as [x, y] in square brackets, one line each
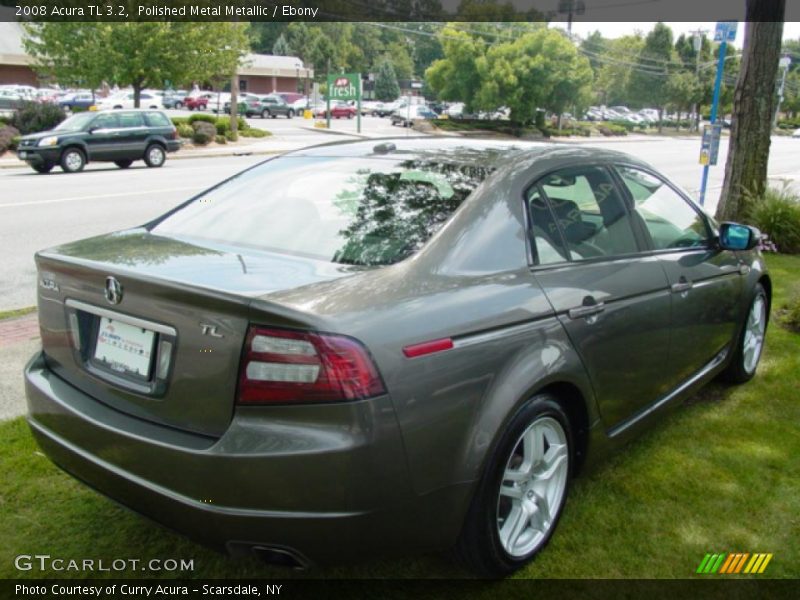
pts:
[796, 133]
[174, 99]
[10, 100]
[339, 110]
[422, 340]
[126, 100]
[199, 101]
[406, 116]
[271, 105]
[77, 100]
[290, 97]
[119, 137]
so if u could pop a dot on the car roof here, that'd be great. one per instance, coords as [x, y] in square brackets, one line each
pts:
[468, 151]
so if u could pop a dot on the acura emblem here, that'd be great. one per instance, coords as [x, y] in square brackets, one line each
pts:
[113, 290]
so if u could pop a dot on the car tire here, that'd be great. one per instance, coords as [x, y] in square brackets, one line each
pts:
[155, 156]
[750, 343]
[349, 115]
[43, 168]
[72, 160]
[290, 114]
[190, 107]
[118, 107]
[178, 105]
[519, 499]
[123, 164]
[265, 114]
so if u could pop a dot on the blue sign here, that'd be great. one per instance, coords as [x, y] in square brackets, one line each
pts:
[726, 31]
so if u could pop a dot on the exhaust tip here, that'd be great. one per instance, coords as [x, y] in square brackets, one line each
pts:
[281, 557]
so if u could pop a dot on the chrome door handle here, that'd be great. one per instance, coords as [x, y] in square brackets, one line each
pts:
[581, 312]
[681, 286]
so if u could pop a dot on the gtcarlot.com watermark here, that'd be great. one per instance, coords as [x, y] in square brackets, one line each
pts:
[48, 563]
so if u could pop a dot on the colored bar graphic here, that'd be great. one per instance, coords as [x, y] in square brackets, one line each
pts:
[734, 563]
[703, 564]
[765, 563]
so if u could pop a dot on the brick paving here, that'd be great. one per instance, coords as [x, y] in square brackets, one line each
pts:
[18, 329]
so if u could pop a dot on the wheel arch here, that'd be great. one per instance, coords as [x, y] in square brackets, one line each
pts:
[77, 145]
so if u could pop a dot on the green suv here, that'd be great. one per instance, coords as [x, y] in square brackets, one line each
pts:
[120, 137]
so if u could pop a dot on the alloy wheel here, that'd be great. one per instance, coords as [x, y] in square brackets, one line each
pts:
[532, 488]
[754, 334]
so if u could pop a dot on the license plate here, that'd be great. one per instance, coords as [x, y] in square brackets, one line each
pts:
[124, 348]
[23, 154]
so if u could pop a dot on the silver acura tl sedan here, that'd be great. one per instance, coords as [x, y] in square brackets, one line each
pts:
[388, 346]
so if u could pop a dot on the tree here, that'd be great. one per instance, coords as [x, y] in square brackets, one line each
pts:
[542, 69]
[137, 54]
[386, 88]
[455, 77]
[401, 59]
[612, 79]
[648, 81]
[281, 46]
[753, 107]
[683, 89]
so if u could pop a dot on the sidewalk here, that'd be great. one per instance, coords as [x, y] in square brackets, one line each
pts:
[19, 340]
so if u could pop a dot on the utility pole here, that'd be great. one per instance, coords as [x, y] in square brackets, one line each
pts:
[571, 8]
[697, 40]
[784, 63]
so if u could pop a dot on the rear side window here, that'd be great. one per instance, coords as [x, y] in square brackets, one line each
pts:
[157, 119]
[668, 218]
[585, 208]
[130, 120]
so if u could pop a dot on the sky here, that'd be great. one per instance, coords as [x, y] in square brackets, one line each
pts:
[791, 30]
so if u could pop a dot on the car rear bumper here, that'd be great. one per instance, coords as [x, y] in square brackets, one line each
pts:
[326, 485]
[174, 145]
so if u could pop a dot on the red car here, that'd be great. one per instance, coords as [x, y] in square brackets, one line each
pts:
[196, 102]
[339, 110]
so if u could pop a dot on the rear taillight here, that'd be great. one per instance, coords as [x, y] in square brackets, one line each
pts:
[173, 135]
[290, 366]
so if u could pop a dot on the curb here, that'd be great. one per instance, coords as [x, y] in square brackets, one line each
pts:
[332, 132]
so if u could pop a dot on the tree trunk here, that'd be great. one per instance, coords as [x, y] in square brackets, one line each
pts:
[137, 93]
[753, 107]
[660, 118]
[235, 107]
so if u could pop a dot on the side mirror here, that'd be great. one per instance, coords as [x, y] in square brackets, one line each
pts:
[734, 236]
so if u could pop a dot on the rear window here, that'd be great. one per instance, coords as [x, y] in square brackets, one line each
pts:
[157, 119]
[345, 210]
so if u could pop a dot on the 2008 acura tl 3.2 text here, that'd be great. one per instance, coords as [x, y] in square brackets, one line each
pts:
[367, 348]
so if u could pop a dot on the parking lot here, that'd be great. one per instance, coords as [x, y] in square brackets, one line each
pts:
[104, 198]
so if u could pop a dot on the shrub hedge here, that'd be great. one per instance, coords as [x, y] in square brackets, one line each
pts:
[33, 117]
[777, 213]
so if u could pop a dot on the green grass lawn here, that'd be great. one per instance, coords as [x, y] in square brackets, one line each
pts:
[720, 475]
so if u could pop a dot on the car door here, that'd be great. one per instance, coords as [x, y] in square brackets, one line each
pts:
[133, 136]
[104, 135]
[611, 297]
[706, 282]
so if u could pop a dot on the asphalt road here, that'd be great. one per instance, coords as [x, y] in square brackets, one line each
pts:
[39, 211]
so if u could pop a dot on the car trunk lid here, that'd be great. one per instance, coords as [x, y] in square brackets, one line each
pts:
[154, 326]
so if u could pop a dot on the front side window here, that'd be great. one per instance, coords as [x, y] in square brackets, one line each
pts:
[669, 219]
[585, 207]
[359, 211]
[105, 121]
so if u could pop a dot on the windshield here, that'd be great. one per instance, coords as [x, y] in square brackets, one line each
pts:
[76, 122]
[345, 210]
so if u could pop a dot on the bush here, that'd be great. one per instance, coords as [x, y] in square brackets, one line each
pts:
[178, 121]
[609, 129]
[184, 130]
[33, 117]
[254, 132]
[220, 139]
[777, 213]
[224, 125]
[202, 118]
[204, 132]
[229, 136]
[7, 136]
[14, 142]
